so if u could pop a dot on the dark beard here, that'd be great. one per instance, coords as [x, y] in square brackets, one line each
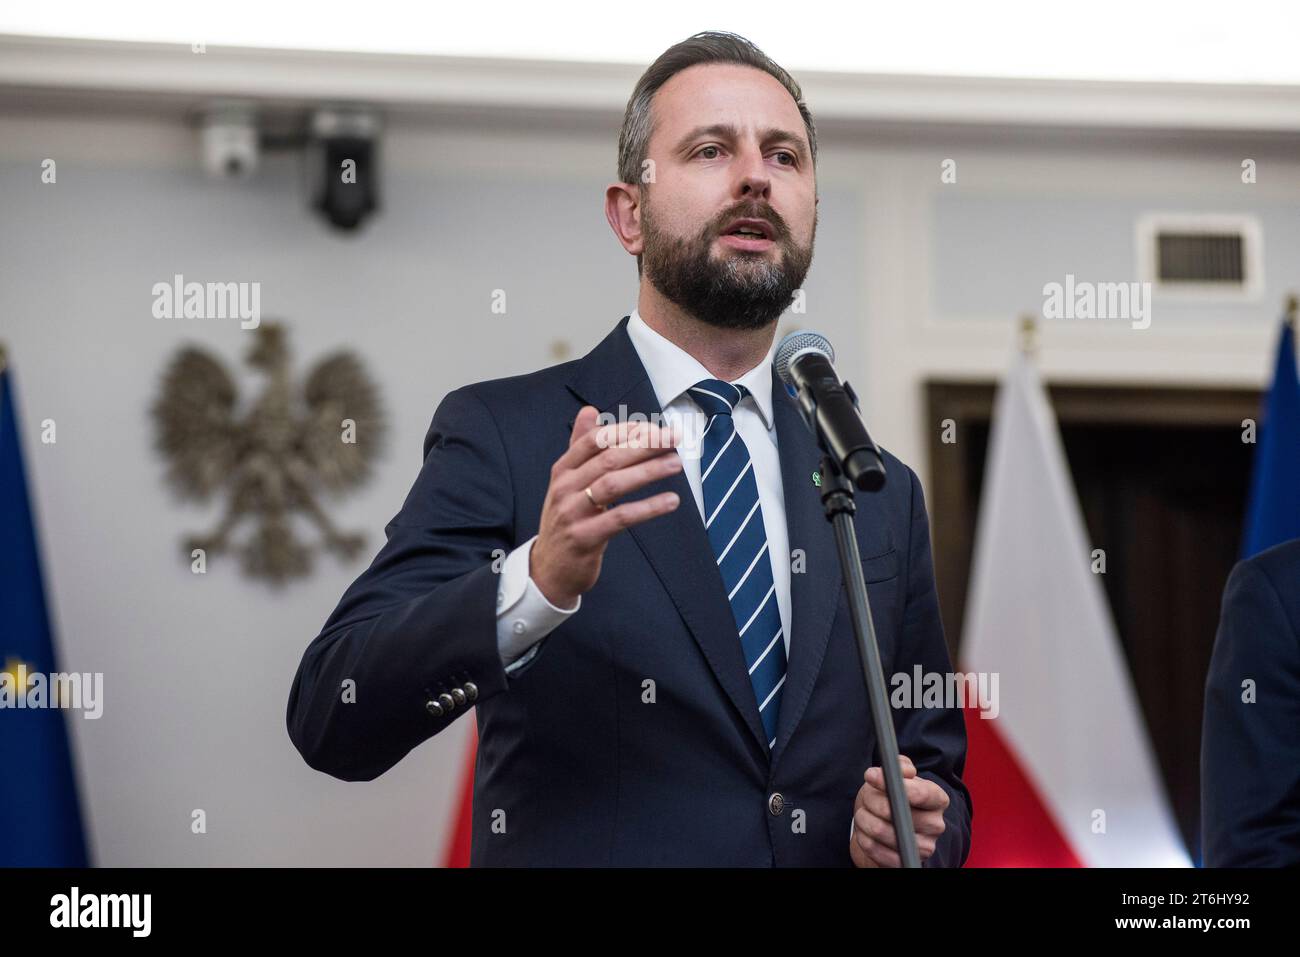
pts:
[742, 290]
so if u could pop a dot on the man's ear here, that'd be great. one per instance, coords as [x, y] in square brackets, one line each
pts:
[623, 211]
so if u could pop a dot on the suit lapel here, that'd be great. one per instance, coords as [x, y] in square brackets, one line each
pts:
[814, 591]
[676, 545]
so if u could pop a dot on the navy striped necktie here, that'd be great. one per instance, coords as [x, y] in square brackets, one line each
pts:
[733, 519]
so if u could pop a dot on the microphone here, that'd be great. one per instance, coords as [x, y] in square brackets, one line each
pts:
[803, 361]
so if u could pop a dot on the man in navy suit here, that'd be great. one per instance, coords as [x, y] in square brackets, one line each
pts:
[1250, 742]
[668, 677]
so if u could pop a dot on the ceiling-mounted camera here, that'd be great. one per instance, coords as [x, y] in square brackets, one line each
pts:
[230, 141]
[343, 160]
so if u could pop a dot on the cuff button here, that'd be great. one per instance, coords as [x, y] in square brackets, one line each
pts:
[448, 703]
[471, 691]
[459, 696]
[433, 708]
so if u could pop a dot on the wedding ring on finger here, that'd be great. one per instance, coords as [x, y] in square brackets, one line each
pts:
[592, 499]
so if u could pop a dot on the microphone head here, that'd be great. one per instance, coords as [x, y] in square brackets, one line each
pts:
[796, 344]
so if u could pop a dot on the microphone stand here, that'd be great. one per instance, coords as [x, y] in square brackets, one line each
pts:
[837, 498]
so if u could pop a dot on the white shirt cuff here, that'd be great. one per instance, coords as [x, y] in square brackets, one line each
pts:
[524, 615]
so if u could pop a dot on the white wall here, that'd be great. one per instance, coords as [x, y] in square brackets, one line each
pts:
[910, 280]
[952, 266]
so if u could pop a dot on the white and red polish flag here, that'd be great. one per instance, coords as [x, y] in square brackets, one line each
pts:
[1064, 775]
[457, 844]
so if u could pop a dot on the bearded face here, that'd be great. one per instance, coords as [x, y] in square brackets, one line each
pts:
[724, 275]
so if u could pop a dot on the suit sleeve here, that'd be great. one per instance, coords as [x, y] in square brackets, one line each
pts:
[934, 738]
[421, 621]
[1250, 752]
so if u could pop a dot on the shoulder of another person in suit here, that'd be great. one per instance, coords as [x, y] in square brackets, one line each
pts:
[1275, 570]
[1279, 564]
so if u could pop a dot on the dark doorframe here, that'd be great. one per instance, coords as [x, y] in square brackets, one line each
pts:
[1161, 474]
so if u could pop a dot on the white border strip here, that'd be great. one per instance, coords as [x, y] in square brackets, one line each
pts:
[36, 64]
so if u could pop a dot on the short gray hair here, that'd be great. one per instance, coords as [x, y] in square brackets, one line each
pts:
[707, 47]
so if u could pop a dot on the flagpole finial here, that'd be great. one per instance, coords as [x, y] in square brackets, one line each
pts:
[4, 357]
[1292, 309]
[1028, 335]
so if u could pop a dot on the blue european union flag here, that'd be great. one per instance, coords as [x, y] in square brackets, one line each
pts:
[40, 818]
[1273, 510]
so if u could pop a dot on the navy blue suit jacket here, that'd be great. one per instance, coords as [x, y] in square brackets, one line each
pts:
[1250, 752]
[574, 766]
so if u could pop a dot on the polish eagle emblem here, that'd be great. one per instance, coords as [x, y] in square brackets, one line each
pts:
[272, 459]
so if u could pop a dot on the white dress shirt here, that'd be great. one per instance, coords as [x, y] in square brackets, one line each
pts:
[525, 616]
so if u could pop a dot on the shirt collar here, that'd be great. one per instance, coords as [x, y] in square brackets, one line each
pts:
[673, 370]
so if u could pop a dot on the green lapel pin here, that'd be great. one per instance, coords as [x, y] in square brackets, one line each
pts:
[817, 479]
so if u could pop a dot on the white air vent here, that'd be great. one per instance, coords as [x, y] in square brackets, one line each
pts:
[1209, 256]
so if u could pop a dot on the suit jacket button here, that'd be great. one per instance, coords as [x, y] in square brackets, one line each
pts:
[776, 803]
[458, 694]
[471, 691]
[447, 701]
[433, 708]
